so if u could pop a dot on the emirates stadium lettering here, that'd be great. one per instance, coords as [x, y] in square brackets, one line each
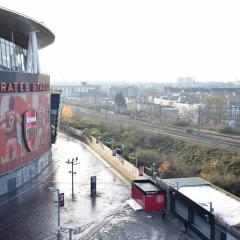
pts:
[23, 87]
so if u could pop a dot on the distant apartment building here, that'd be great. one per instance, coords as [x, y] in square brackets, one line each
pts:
[232, 113]
[78, 91]
[185, 89]
[127, 91]
[176, 108]
[164, 101]
[186, 82]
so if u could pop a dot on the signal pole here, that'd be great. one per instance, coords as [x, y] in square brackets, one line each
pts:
[199, 119]
[136, 160]
[135, 112]
[160, 115]
[107, 112]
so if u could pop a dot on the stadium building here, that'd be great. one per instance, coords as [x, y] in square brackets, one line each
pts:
[25, 101]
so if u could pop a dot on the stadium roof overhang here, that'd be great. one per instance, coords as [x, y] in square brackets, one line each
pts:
[20, 26]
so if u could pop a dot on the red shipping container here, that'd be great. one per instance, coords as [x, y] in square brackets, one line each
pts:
[148, 195]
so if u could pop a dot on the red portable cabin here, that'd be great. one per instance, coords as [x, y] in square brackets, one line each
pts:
[148, 195]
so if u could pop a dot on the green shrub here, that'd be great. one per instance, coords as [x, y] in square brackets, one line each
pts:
[182, 123]
[186, 159]
[189, 130]
[229, 130]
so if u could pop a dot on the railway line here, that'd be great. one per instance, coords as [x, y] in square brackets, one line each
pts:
[205, 137]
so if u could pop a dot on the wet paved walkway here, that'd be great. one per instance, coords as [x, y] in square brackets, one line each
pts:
[33, 215]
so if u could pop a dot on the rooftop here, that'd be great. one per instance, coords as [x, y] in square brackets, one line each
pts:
[226, 206]
[20, 25]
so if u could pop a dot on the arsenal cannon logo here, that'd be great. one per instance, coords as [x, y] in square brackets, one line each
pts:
[30, 129]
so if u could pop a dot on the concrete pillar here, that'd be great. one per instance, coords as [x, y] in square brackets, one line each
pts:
[33, 64]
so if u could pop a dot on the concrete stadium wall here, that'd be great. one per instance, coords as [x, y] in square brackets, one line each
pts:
[14, 179]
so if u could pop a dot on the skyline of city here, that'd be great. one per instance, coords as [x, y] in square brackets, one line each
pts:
[80, 159]
[139, 41]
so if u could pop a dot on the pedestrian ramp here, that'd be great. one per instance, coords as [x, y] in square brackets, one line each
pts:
[134, 205]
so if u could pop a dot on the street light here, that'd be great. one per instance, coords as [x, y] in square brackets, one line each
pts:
[73, 162]
[175, 185]
[54, 189]
[199, 119]
[136, 160]
[154, 173]
[123, 147]
[112, 142]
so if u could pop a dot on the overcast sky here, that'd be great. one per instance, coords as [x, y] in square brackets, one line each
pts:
[135, 40]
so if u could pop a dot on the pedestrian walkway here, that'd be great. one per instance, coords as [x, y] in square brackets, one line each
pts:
[113, 219]
[33, 214]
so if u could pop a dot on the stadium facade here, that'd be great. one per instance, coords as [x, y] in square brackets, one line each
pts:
[25, 100]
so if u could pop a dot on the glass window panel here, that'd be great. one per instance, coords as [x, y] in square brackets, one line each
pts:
[19, 62]
[22, 61]
[12, 57]
[8, 55]
[25, 62]
[0, 56]
[18, 58]
[4, 57]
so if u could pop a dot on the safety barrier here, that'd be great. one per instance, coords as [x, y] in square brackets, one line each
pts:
[124, 167]
[121, 165]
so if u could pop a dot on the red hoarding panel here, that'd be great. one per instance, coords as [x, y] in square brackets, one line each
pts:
[138, 196]
[150, 201]
[155, 202]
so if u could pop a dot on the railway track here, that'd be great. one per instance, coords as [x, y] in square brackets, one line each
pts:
[205, 137]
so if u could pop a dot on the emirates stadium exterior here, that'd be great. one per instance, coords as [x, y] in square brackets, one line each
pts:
[25, 101]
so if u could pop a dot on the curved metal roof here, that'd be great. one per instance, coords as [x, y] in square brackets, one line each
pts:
[21, 25]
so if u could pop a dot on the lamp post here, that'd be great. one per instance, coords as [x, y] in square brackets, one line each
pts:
[211, 207]
[112, 141]
[154, 170]
[106, 112]
[136, 160]
[73, 162]
[135, 111]
[54, 189]
[199, 119]
[123, 148]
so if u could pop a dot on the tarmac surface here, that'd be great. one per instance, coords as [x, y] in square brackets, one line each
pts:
[30, 213]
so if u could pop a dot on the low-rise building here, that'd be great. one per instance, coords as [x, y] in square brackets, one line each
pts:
[78, 91]
[127, 91]
[232, 113]
[211, 212]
